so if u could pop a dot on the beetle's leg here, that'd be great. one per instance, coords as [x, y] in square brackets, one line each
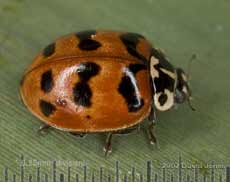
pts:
[108, 144]
[44, 128]
[77, 134]
[152, 115]
[139, 127]
[152, 135]
[151, 127]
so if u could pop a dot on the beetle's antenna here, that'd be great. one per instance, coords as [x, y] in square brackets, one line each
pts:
[193, 57]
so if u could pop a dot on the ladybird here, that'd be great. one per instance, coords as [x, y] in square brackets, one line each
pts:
[102, 81]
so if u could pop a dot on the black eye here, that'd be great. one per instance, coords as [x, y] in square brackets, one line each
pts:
[180, 96]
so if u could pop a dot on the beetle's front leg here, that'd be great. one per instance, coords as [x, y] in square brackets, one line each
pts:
[151, 127]
[152, 135]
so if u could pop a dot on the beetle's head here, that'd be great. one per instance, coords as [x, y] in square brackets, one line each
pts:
[182, 90]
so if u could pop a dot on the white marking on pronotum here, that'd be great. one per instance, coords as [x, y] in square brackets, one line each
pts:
[168, 103]
[169, 73]
[170, 95]
[153, 61]
[185, 90]
[184, 77]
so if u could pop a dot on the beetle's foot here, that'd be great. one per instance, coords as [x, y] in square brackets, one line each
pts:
[108, 145]
[107, 150]
[43, 129]
[80, 135]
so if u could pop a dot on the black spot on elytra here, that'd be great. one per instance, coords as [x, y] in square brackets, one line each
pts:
[89, 45]
[131, 40]
[46, 108]
[87, 70]
[82, 94]
[88, 117]
[81, 91]
[164, 81]
[49, 50]
[162, 99]
[47, 81]
[128, 87]
[127, 90]
[86, 42]
[134, 68]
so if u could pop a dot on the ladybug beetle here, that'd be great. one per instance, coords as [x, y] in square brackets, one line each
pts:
[102, 81]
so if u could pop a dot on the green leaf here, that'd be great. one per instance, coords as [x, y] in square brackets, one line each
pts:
[181, 28]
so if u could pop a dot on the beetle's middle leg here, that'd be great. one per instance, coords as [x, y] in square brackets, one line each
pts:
[108, 144]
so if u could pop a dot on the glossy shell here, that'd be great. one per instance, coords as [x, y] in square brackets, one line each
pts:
[90, 82]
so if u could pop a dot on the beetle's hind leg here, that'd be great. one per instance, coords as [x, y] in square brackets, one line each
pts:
[151, 127]
[108, 144]
[43, 129]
